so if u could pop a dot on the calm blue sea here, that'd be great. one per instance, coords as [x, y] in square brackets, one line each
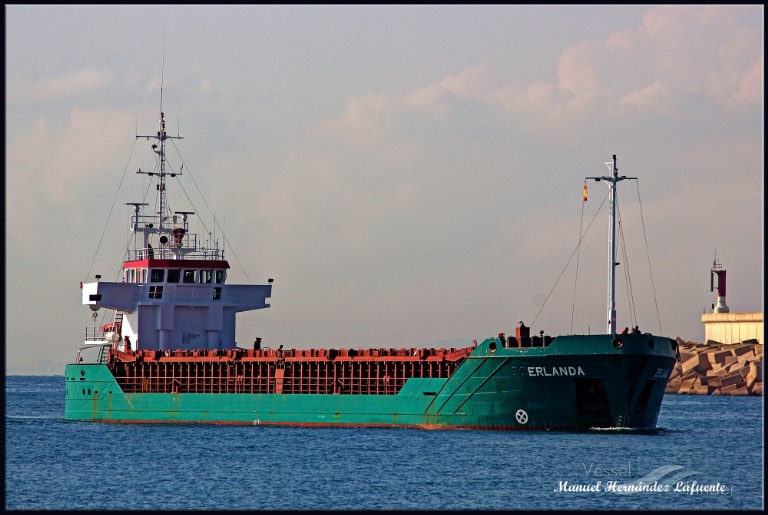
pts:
[707, 454]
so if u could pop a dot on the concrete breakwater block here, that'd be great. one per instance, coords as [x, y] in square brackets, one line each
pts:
[714, 368]
[699, 362]
[755, 373]
[732, 380]
[718, 357]
[715, 382]
[743, 349]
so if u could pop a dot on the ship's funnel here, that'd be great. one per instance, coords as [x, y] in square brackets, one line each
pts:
[717, 270]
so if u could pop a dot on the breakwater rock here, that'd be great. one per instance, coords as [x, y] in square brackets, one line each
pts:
[713, 368]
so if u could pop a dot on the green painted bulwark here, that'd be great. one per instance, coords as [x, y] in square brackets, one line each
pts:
[576, 382]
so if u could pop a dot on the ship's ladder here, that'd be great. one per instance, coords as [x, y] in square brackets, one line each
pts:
[103, 354]
[117, 321]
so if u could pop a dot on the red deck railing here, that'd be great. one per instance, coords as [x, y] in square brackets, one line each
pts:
[294, 371]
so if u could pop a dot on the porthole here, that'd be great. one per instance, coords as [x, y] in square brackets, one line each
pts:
[492, 346]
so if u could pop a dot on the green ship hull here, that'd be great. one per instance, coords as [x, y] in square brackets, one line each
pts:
[576, 382]
[169, 354]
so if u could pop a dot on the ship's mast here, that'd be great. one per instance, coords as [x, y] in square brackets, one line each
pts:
[160, 151]
[161, 137]
[611, 181]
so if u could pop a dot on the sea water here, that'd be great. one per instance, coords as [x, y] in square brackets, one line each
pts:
[707, 453]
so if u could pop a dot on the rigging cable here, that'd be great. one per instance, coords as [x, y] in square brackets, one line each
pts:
[110, 211]
[653, 286]
[168, 207]
[224, 236]
[578, 246]
[199, 218]
[627, 277]
[569, 259]
[131, 233]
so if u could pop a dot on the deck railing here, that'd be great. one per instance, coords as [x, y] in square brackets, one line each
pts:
[187, 248]
[146, 372]
[96, 354]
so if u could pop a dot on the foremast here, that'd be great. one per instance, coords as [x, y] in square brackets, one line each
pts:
[612, 180]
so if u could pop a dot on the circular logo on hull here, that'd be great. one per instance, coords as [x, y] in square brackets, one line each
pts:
[521, 416]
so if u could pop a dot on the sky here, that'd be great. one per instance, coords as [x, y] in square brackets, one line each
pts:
[408, 175]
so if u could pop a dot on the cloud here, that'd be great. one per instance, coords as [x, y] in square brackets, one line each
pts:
[51, 167]
[677, 57]
[76, 84]
[369, 118]
[472, 83]
[656, 97]
[678, 54]
[516, 99]
[580, 71]
[751, 86]
[704, 50]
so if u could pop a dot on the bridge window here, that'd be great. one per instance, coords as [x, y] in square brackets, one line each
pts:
[190, 276]
[157, 275]
[206, 276]
[174, 274]
[219, 276]
[143, 275]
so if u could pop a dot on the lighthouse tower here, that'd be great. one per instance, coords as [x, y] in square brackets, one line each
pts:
[717, 270]
[722, 326]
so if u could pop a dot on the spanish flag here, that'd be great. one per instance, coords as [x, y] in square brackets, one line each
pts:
[585, 192]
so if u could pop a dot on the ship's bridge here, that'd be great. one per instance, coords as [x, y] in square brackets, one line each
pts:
[171, 272]
[174, 304]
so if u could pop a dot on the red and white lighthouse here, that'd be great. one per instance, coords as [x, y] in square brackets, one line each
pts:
[717, 270]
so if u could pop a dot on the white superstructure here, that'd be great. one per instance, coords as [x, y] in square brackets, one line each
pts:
[173, 293]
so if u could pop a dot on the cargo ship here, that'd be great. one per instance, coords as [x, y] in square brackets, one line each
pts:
[168, 354]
